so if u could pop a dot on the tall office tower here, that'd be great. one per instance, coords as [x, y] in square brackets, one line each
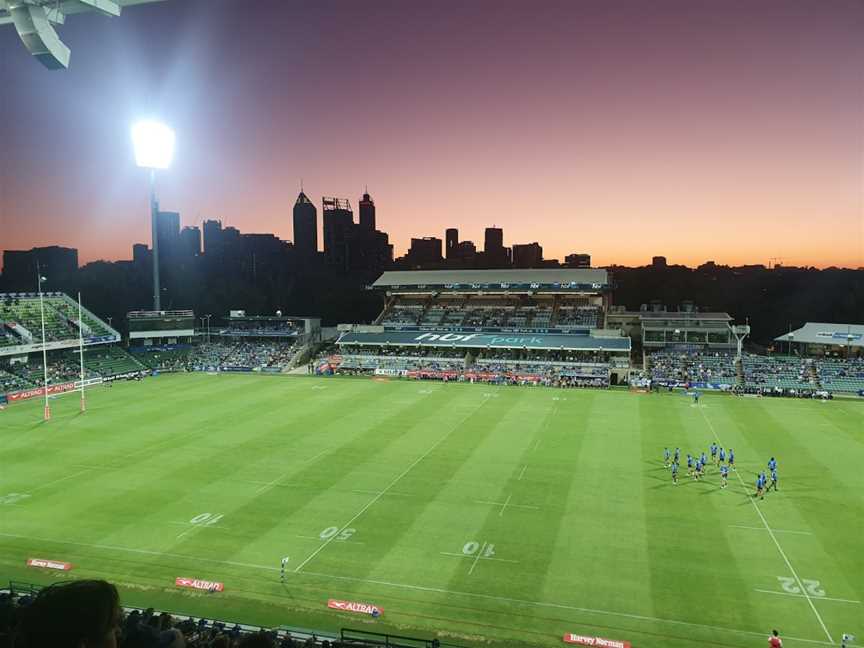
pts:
[305, 227]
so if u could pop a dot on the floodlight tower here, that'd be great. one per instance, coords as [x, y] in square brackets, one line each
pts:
[740, 331]
[154, 149]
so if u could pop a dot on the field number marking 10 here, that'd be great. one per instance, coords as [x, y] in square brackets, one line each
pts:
[813, 587]
[206, 519]
[329, 532]
[472, 547]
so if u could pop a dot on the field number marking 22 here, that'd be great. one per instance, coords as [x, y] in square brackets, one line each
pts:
[329, 532]
[790, 585]
[206, 519]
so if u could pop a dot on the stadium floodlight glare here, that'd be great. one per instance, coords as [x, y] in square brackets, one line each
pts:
[154, 150]
[154, 144]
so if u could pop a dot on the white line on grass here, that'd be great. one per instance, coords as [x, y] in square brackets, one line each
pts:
[504, 505]
[419, 588]
[269, 485]
[501, 512]
[476, 558]
[387, 488]
[752, 528]
[821, 598]
[57, 481]
[774, 538]
[462, 555]
[522, 474]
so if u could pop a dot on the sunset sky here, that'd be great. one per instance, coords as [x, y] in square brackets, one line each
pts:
[697, 129]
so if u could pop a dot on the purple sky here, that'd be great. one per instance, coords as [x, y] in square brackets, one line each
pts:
[723, 130]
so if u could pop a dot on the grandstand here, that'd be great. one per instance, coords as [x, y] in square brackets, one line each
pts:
[21, 324]
[534, 326]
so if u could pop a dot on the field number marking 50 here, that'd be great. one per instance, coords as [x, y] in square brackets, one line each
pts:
[329, 532]
[206, 519]
[789, 584]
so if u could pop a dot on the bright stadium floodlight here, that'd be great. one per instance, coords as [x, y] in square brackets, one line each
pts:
[154, 149]
[154, 144]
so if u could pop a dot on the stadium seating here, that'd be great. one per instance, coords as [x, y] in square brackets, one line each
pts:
[111, 361]
[140, 627]
[840, 375]
[241, 354]
[777, 372]
[21, 318]
[693, 366]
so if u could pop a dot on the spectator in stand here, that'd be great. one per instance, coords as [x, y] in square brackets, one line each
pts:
[82, 614]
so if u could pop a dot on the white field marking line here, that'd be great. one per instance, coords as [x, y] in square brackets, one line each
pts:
[388, 487]
[57, 481]
[522, 474]
[738, 526]
[774, 538]
[501, 512]
[418, 588]
[821, 598]
[269, 485]
[462, 555]
[477, 558]
[212, 526]
[505, 504]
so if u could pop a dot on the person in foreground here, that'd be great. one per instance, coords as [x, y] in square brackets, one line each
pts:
[774, 640]
[81, 614]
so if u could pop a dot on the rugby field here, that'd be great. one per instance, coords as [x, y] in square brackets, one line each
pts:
[497, 515]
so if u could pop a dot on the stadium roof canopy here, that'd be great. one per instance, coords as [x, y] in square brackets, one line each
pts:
[684, 315]
[824, 333]
[447, 278]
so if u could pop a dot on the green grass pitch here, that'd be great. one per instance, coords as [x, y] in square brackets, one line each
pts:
[503, 516]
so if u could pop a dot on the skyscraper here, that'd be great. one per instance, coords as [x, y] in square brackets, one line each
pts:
[305, 227]
[529, 255]
[338, 219]
[495, 255]
[367, 212]
[168, 231]
[190, 242]
[212, 237]
[451, 237]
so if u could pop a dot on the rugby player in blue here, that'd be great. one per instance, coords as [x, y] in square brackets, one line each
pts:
[689, 465]
[703, 459]
[677, 455]
[666, 455]
[759, 486]
[772, 464]
[722, 455]
[773, 479]
[731, 458]
[724, 476]
[714, 453]
[675, 472]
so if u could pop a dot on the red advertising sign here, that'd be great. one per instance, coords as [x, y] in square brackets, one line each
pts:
[40, 391]
[195, 583]
[583, 640]
[352, 606]
[49, 564]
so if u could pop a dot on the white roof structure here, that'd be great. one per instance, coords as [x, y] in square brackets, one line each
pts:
[35, 22]
[824, 333]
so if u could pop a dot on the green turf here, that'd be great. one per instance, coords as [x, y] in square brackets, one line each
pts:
[593, 539]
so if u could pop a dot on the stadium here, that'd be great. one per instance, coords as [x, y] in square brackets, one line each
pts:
[483, 464]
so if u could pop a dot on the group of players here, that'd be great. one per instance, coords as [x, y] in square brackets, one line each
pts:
[696, 467]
